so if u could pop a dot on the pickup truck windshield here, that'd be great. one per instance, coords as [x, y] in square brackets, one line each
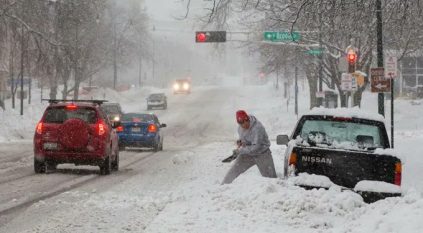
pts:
[340, 134]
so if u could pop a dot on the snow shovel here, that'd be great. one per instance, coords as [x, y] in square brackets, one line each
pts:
[230, 158]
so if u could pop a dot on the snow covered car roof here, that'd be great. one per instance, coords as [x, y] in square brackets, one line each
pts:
[346, 112]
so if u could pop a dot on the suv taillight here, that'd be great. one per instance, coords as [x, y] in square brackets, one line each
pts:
[101, 128]
[119, 129]
[152, 128]
[39, 128]
[398, 172]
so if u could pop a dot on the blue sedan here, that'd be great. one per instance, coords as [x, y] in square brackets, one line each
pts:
[140, 130]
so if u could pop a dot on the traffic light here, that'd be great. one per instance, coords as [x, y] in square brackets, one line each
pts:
[210, 36]
[352, 59]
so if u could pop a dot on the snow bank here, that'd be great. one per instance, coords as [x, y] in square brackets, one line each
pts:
[312, 180]
[377, 186]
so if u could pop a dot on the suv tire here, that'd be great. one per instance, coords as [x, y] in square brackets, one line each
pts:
[115, 164]
[39, 167]
[106, 166]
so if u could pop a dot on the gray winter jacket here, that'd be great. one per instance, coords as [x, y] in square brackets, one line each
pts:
[254, 139]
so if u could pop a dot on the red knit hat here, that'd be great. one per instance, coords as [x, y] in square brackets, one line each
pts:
[241, 116]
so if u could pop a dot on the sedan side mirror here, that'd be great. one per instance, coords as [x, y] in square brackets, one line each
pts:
[163, 125]
[282, 140]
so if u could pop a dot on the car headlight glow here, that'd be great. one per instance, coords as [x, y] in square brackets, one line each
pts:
[186, 86]
[176, 86]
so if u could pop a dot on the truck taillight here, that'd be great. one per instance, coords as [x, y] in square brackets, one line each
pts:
[39, 129]
[293, 159]
[398, 173]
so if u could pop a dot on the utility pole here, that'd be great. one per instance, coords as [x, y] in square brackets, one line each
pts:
[381, 95]
[114, 56]
[277, 76]
[139, 70]
[392, 111]
[296, 91]
[154, 61]
[22, 68]
[320, 59]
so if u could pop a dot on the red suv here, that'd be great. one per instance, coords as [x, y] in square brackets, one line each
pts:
[78, 132]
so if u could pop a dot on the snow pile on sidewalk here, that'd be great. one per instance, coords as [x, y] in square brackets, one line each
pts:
[15, 127]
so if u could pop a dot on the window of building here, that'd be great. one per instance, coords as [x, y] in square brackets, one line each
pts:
[409, 63]
[409, 80]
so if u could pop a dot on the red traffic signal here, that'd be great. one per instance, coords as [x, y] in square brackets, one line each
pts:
[201, 37]
[351, 56]
[210, 36]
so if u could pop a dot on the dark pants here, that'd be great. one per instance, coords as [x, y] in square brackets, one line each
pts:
[242, 163]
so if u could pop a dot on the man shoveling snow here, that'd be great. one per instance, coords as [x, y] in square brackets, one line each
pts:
[253, 149]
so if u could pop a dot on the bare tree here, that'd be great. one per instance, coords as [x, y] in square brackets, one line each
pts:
[332, 24]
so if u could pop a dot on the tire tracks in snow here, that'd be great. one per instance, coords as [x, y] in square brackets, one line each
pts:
[67, 185]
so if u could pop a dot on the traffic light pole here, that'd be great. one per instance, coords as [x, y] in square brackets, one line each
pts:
[296, 91]
[381, 96]
[320, 59]
[392, 112]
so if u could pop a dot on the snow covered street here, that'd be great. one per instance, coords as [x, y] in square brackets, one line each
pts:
[178, 189]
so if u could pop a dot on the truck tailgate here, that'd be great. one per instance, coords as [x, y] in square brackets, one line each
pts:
[344, 167]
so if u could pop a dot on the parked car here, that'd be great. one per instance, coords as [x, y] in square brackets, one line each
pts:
[157, 100]
[351, 149]
[140, 130]
[112, 110]
[182, 86]
[78, 132]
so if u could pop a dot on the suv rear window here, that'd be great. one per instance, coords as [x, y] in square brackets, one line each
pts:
[134, 117]
[59, 115]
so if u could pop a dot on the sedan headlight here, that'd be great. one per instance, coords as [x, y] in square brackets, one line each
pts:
[186, 86]
[176, 86]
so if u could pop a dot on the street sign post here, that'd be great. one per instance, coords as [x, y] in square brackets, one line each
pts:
[281, 36]
[391, 67]
[391, 72]
[320, 94]
[346, 82]
[353, 83]
[379, 83]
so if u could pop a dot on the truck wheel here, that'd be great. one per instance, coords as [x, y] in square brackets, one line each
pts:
[39, 167]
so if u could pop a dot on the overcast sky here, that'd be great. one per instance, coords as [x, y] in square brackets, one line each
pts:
[165, 17]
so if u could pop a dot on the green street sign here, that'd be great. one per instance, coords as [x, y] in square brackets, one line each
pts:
[317, 51]
[281, 36]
